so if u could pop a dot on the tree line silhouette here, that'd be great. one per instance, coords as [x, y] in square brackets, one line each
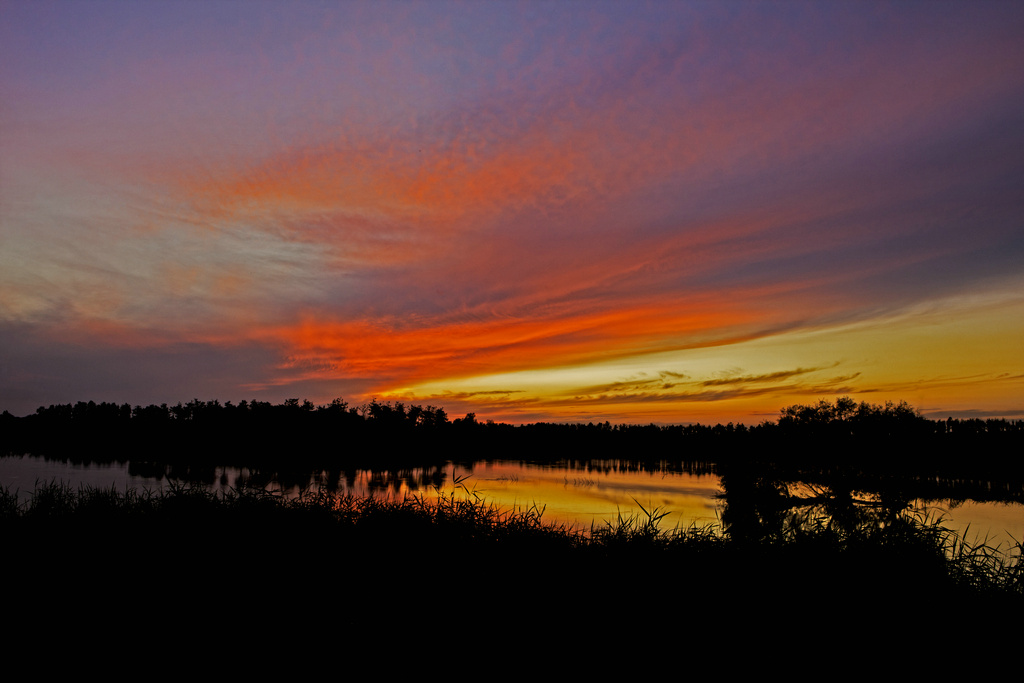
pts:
[860, 437]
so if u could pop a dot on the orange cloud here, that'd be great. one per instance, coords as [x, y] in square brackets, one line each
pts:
[417, 350]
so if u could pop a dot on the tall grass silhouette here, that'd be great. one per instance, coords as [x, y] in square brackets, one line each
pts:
[912, 552]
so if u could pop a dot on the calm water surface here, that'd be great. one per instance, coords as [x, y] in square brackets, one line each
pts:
[583, 497]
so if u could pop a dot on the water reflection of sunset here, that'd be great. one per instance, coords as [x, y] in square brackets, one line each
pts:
[594, 496]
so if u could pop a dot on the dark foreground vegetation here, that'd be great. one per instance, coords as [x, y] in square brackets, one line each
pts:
[373, 557]
[786, 560]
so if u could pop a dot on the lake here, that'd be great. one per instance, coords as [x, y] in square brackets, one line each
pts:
[580, 495]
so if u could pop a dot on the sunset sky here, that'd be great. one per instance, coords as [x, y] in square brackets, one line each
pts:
[560, 211]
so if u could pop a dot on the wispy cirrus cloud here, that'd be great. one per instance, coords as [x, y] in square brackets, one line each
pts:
[759, 379]
[714, 389]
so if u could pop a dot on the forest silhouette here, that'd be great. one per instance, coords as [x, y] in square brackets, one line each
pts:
[891, 439]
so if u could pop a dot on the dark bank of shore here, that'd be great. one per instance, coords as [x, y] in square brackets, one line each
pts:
[375, 559]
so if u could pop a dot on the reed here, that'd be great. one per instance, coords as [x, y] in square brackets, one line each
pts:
[317, 532]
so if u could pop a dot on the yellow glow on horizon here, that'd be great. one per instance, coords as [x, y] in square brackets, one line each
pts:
[946, 356]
